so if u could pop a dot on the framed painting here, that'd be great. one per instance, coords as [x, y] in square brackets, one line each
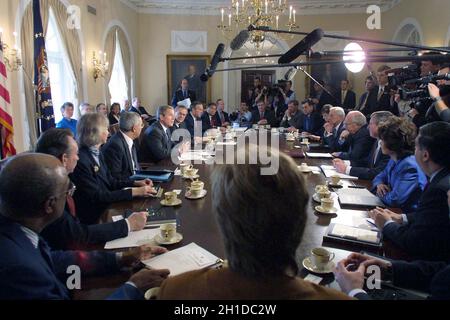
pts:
[189, 67]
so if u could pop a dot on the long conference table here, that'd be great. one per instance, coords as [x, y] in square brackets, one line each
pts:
[197, 224]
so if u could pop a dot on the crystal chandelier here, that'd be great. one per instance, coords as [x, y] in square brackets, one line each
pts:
[261, 13]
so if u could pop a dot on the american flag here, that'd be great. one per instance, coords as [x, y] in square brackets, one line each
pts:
[6, 123]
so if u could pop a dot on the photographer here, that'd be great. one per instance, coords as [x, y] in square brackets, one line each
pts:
[440, 94]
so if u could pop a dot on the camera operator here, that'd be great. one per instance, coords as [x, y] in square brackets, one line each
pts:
[441, 94]
[280, 96]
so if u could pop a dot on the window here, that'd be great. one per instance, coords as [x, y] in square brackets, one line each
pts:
[118, 83]
[62, 80]
[409, 34]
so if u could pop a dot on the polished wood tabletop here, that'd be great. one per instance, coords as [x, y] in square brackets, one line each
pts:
[196, 221]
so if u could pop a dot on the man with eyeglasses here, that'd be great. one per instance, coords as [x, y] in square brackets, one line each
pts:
[120, 151]
[67, 232]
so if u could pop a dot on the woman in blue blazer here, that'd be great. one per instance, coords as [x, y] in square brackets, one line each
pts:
[401, 183]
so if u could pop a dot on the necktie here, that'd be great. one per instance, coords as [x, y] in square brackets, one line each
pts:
[184, 94]
[135, 158]
[344, 94]
[168, 135]
[363, 106]
[261, 116]
[380, 93]
[222, 118]
[213, 122]
[71, 205]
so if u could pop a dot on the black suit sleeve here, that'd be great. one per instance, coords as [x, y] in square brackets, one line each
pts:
[363, 296]
[351, 100]
[369, 173]
[416, 275]
[113, 156]
[155, 144]
[67, 233]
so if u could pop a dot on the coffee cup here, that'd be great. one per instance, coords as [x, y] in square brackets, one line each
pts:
[184, 167]
[304, 166]
[321, 257]
[321, 187]
[324, 193]
[168, 231]
[196, 188]
[335, 179]
[305, 140]
[191, 172]
[170, 197]
[327, 203]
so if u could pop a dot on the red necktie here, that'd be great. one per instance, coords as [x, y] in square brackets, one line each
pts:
[262, 116]
[71, 204]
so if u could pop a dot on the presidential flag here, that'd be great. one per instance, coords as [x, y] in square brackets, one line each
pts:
[44, 105]
[6, 123]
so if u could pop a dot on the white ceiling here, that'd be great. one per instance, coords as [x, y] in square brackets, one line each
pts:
[211, 7]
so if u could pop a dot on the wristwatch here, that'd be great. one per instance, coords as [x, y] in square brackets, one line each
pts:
[437, 99]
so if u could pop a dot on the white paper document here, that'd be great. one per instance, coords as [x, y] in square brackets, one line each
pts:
[117, 218]
[196, 156]
[188, 258]
[348, 232]
[330, 171]
[134, 239]
[319, 155]
[187, 103]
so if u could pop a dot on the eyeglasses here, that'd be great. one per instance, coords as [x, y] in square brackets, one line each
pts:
[70, 192]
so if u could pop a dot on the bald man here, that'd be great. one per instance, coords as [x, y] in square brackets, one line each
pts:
[33, 190]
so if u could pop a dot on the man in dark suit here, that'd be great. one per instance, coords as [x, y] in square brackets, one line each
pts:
[290, 115]
[157, 143]
[194, 122]
[346, 97]
[308, 120]
[263, 116]
[334, 128]
[29, 270]
[377, 160]
[368, 102]
[321, 97]
[425, 233]
[222, 116]
[183, 93]
[430, 277]
[385, 100]
[181, 112]
[120, 151]
[140, 110]
[209, 118]
[358, 141]
[67, 232]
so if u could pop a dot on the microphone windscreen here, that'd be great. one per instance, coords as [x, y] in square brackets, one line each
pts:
[302, 47]
[290, 74]
[239, 41]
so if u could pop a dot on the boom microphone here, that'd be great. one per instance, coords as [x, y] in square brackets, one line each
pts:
[239, 41]
[209, 72]
[290, 74]
[302, 47]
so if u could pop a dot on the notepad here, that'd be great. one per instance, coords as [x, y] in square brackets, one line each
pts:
[319, 155]
[355, 234]
[134, 239]
[188, 258]
[330, 171]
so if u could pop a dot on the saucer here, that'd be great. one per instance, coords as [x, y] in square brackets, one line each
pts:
[290, 140]
[339, 185]
[321, 210]
[173, 204]
[316, 198]
[189, 196]
[308, 265]
[178, 237]
[191, 177]
[307, 170]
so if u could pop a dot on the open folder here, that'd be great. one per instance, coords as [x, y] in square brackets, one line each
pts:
[154, 175]
[188, 258]
[359, 198]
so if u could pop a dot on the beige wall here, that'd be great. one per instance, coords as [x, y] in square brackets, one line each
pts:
[150, 37]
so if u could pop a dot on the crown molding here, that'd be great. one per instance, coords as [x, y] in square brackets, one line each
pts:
[212, 8]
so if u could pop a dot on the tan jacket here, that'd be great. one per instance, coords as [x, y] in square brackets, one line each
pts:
[224, 284]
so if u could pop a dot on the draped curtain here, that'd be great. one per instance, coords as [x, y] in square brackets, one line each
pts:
[72, 47]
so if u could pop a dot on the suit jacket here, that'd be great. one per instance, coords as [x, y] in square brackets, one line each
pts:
[224, 284]
[374, 166]
[406, 181]
[333, 140]
[112, 119]
[96, 187]
[371, 104]
[226, 117]
[349, 101]
[67, 233]
[118, 158]
[206, 121]
[291, 122]
[358, 146]
[155, 145]
[29, 273]
[178, 96]
[316, 123]
[427, 233]
[269, 115]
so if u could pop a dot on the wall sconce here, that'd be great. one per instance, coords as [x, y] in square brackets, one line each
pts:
[100, 65]
[11, 57]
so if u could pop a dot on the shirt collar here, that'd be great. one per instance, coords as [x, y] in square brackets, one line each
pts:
[435, 174]
[31, 235]
[164, 127]
[128, 140]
